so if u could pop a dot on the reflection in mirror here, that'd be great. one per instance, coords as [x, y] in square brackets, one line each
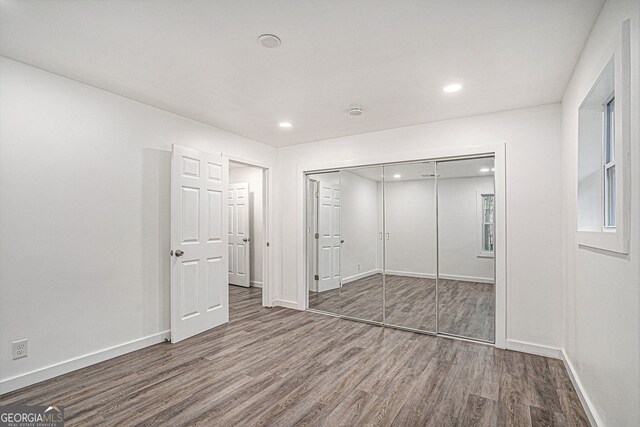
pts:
[466, 293]
[410, 245]
[323, 241]
[361, 235]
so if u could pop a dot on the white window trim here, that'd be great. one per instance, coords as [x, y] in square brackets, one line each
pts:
[606, 141]
[480, 225]
[617, 239]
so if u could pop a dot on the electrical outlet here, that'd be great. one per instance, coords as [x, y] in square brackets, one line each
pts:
[358, 267]
[20, 349]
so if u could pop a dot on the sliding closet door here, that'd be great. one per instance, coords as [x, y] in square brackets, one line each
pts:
[410, 245]
[323, 241]
[466, 292]
[361, 293]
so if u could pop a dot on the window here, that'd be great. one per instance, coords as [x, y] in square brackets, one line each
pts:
[487, 224]
[609, 163]
[603, 210]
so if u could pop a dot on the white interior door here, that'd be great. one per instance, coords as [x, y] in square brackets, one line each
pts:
[328, 236]
[199, 286]
[238, 231]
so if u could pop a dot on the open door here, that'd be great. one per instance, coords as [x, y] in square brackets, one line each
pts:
[328, 236]
[199, 283]
[239, 239]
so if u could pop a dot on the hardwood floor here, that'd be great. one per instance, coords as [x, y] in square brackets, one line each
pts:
[281, 367]
[466, 308]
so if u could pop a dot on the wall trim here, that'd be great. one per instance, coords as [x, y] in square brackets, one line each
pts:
[286, 304]
[361, 276]
[531, 348]
[588, 406]
[256, 284]
[23, 380]
[442, 276]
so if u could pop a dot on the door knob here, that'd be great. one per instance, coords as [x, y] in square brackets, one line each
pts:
[245, 240]
[179, 252]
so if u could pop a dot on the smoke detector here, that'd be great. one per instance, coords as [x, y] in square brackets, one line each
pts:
[269, 41]
[355, 111]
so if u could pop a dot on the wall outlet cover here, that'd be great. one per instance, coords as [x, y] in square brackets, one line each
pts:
[20, 349]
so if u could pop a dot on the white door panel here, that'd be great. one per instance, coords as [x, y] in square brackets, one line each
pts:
[328, 236]
[239, 239]
[199, 297]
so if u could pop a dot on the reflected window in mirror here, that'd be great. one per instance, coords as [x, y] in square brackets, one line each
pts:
[486, 224]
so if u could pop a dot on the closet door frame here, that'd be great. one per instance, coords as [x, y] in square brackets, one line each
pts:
[447, 153]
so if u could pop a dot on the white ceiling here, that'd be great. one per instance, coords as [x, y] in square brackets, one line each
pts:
[200, 58]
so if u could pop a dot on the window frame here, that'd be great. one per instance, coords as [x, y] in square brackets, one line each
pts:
[612, 239]
[608, 148]
[482, 252]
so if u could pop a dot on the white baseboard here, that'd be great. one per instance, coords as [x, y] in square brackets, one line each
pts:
[48, 372]
[286, 304]
[323, 287]
[540, 350]
[256, 284]
[360, 276]
[594, 419]
[442, 276]
[467, 278]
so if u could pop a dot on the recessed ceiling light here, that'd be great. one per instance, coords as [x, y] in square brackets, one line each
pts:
[484, 170]
[269, 41]
[452, 88]
[285, 124]
[396, 176]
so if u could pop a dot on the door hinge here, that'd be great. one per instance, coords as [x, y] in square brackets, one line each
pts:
[317, 194]
[316, 277]
[317, 235]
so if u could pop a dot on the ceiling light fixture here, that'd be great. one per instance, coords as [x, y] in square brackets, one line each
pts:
[269, 41]
[285, 124]
[397, 176]
[355, 110]
[493, 169]
[455, 87]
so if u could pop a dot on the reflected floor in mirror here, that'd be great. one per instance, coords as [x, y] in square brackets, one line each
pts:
[466, 308]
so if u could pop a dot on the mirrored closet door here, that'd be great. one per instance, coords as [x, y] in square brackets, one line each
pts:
[408, 245]
[361, 266]
[466, 294]
[323, 241]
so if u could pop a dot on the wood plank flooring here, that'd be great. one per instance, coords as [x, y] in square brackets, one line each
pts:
[281, 367]
[466, 308]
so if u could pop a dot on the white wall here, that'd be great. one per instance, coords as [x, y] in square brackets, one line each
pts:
[459, 229]
[253, 176]
[84, 216]
[410, 221]
[602, 290]
[358, 225]
[532, 138]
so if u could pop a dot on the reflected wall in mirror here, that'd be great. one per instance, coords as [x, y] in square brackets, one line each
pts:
[410, 245]
[361, 294]
[466, 291]
[323, 241]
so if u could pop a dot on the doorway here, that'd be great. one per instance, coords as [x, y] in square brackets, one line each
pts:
[247, 233]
